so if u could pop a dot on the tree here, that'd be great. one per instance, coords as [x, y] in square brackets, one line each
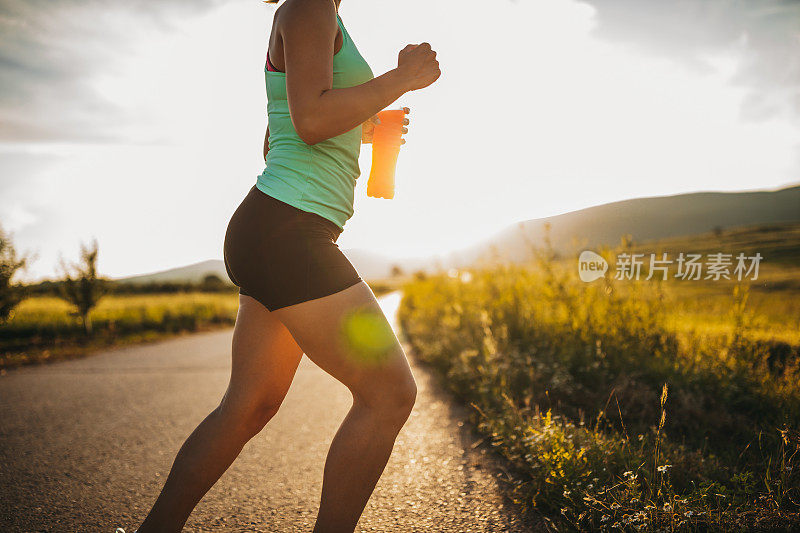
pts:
[212, 282]
[81, 286]
[10, 264]
[397, 271]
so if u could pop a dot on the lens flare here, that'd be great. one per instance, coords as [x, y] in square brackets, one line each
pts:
[368, 335]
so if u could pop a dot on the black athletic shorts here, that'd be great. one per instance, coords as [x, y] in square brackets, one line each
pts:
[281, 255]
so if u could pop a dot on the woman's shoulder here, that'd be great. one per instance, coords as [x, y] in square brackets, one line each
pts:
[306, 11]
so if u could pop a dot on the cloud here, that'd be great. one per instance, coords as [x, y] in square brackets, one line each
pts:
[50, 50]
[764, 36]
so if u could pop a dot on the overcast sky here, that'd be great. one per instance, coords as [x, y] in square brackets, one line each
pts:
[141, 123]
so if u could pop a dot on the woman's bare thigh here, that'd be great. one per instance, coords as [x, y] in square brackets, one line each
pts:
[347, 335]
[265, 358]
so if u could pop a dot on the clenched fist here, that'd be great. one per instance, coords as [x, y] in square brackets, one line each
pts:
[418, 66]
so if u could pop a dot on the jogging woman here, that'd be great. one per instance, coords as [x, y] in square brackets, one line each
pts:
[298, 292]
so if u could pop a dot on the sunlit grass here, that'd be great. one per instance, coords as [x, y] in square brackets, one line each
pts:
[568, 381]
[54, 311]
[44, 327]
[705, 308]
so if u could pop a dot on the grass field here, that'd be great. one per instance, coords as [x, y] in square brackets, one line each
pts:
[43, 328]
[705, 307]
[627, 405]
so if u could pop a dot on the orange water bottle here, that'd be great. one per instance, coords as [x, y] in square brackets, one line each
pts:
[386, 142]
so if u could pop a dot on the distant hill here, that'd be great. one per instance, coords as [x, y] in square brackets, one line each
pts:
[371, 266]
[193, 273]
[645, 219]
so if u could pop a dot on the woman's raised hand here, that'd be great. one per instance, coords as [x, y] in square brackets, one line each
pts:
[418, 66]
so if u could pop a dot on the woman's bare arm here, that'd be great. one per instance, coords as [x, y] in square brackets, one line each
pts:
[308, 30]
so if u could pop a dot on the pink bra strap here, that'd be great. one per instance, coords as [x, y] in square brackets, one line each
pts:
[270, 66]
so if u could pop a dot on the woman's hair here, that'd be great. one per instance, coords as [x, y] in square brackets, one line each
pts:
[271, 1]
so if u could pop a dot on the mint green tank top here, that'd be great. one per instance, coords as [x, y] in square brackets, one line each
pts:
[318, 178]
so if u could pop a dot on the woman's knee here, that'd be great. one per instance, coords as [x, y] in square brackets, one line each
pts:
[401, 395]
[249, 417]
[393, 396]
[407, 396]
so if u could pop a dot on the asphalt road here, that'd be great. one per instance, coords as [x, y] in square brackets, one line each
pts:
[86, 444]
